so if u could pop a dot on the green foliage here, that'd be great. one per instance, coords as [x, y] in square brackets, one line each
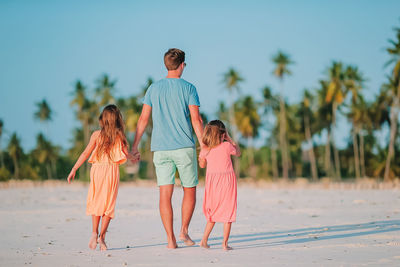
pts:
[44, 112]
[5, 174]
[290, 127]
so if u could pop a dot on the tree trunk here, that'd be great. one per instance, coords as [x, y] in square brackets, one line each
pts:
[86, 137]
[54, 168]
[335, 150]
[313, 164]
[250, 151]
[393, 128]
[48, 168]
[328, 167]
[150, 172]
[16, 168]
[1, 155]
[232, 122]
[355, 150]
[274, 162]
[282, 135]
[362, 154]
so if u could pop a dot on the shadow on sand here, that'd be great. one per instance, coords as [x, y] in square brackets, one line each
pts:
[301, 235]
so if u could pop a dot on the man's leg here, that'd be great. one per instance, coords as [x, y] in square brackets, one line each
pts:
[188, 204]
[166, 213]
[186, 162]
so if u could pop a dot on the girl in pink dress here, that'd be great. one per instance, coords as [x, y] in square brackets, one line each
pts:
[107, 148]
[220, 194]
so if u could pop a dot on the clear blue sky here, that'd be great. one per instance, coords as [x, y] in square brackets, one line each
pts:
[47, 45]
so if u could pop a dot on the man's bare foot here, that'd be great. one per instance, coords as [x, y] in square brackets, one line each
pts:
[186, 239]
[226, 248]
[172, 243]
[102, 244]
[204, 244]
[93, 241]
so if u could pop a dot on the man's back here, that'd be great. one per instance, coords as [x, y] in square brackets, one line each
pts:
[170, 99]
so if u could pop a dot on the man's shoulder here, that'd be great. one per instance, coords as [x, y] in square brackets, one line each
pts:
[183, 81]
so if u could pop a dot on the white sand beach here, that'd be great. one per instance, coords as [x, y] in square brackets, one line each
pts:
[47, 226]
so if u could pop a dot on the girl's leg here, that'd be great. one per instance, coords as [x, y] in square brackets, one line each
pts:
[95, 232]
[207, 232]
[105, 221]
[227, 231]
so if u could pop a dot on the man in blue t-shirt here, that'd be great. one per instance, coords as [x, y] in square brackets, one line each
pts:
[173, 104]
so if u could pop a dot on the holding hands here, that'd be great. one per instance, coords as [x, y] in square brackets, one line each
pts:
[134, 155]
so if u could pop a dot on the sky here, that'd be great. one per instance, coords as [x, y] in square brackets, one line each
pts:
[47, 45]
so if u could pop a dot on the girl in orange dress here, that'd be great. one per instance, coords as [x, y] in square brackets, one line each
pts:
[107, 148]
[220, 193]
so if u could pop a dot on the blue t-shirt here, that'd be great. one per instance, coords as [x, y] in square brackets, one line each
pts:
[169, 99]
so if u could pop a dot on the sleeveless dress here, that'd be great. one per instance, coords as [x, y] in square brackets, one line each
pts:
[104, 180]
[220, 194]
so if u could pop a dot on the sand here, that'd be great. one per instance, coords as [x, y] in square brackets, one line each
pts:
[276, 226]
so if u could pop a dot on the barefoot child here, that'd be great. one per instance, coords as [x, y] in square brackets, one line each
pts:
[110, 148]
[221, 186]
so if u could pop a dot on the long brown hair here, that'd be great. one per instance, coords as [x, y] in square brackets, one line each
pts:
[213, 133]
[112, 131]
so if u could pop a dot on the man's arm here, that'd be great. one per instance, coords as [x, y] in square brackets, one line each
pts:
[197, 122]
[140, 128]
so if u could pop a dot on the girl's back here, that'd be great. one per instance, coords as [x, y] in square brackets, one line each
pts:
[219, 158]
[117, 152]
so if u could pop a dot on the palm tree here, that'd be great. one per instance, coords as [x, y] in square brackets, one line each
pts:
[44, 113]
[295, 138]
[354, 84]
[1, 151]
[248, 123]
[324, 122]
[15, 151]
[307, 114]
[355, 115]
[232, 79]
[222, 112]
[45, 153]
[365, 119]
[271, 105]
[394, 52]
[132, 115]
[105, 90]
[281, 70]
[87, 112]
[150, 171]
[335, 95]
[146, 86]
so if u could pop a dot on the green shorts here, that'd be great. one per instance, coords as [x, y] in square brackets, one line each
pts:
[183, 159]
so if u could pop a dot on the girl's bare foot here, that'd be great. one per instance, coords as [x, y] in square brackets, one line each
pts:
[204, 244]
[102, 243]
[186, 239]
[226, 248]
[93, 241]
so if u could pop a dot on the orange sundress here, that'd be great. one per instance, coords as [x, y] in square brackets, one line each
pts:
[104, 180]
